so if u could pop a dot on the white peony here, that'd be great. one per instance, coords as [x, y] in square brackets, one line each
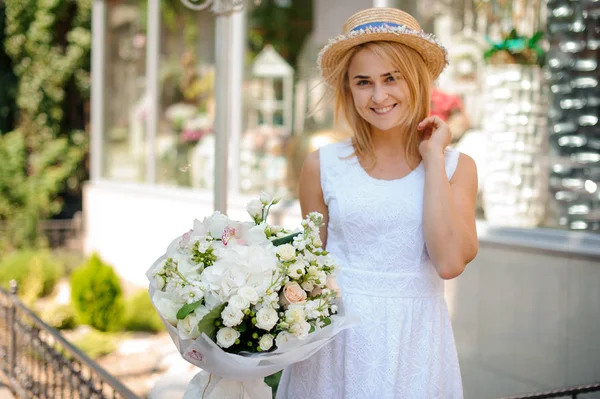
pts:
[286, 252]
[232, 316]
[265, 198]
[249, 293]
[255, 208]
[239, 302]
[266, 342]
[227, 337]
[188, 327]
[167, 306]
[266, 318]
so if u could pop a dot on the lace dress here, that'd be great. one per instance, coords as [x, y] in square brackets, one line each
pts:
[404, 347]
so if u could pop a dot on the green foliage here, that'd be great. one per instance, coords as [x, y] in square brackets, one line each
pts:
[61, 316]
[140, 314]
[48, 42]
[36, 273]
[96, 343]
[273, 381]
[30, 181]
[285, 28]
[516, 49]
[97, 295]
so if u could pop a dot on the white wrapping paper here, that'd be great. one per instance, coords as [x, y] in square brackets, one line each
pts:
[228, 376]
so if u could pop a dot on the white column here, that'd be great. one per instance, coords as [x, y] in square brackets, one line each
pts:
[236, 103]
[152, 90]
[98, 79]
[383, 3]
[222, 91]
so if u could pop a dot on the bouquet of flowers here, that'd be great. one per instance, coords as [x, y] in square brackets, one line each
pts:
[242, 300]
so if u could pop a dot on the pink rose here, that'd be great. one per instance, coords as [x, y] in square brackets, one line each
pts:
[316, 291]
[292, 293]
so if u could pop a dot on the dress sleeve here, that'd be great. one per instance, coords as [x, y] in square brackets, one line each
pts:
[451, 160]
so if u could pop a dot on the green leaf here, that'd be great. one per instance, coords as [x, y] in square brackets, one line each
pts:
[242, 327]
[326, 321]
[286, 239]
[207, 324]
[187, 309]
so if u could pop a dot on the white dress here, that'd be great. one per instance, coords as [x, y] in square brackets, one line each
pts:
[404, 347]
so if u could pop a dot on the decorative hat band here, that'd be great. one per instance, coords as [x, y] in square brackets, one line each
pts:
[376, 25]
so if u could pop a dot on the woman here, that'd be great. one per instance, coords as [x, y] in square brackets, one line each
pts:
[400, 218]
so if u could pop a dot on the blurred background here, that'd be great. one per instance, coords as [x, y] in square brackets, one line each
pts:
[123, 120]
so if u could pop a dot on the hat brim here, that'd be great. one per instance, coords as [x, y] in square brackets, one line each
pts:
[434, 55]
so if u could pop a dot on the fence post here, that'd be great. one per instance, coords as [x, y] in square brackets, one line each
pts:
[13, 329]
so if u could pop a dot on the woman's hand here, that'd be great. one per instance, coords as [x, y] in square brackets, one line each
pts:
[436, 137]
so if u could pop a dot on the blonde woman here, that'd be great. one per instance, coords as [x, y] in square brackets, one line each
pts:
[400, 213]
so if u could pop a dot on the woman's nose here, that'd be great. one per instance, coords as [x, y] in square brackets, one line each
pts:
[379, 94]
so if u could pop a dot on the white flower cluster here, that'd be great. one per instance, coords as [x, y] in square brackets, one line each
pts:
[247, 285]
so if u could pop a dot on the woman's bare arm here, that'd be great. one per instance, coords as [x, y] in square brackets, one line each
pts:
[311, 193]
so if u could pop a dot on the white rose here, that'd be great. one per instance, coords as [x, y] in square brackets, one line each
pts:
[239, 302]
[166, 306]
[266, 342]
[286, 252]
[188, 327]
[265, 198]
[266, 318]
[254, 209]
[232, 316]
[249, 293]
[227, 337]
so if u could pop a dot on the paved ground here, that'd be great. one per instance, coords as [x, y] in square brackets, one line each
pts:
[150, 366]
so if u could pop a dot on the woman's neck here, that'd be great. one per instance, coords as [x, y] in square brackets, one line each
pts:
[390, 142]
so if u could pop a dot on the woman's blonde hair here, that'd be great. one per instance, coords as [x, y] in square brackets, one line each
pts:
[411, 67]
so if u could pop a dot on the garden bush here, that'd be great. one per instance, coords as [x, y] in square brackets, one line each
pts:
[97, 295]
[60, 316]
[36, 273]
[140, 314]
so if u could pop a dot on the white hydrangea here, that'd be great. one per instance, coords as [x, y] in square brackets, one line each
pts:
[249, 293]
[239, 302]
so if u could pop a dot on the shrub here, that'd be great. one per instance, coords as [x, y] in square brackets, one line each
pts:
[36, 273]
[96, 343]
[61, 317]
[140, 314]
[97, 295]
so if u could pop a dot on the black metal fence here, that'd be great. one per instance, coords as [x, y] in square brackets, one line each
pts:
[37, 362]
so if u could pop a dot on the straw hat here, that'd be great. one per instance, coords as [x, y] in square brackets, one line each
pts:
[383, 24]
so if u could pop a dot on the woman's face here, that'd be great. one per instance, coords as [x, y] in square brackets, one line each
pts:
[379, 92]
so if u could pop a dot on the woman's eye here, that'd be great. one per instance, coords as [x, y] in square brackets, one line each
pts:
[362, 82]
[391, 79]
